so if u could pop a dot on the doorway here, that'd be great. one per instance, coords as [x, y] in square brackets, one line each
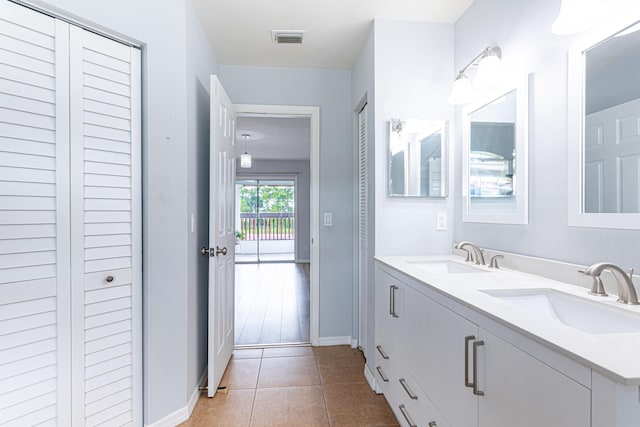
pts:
[277, 254]
[265, 220]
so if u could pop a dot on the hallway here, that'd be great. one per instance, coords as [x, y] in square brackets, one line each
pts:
[272, 304]
[294, 386]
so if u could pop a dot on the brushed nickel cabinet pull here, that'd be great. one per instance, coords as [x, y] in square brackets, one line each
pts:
[406, 416]
[391, 300]
[466, 360]
[109, 279]
[384, 355]
[392, 311]
[475, 368]
[403, 383]
[433, 424]
[382, 375]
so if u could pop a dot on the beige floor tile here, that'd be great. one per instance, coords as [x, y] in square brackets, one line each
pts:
[340, 370]
[247, 353]
[288, 372]
[289, 406]
[338, 351]
[356, 405]
[288, 351]
[241, 374]
[224, 410]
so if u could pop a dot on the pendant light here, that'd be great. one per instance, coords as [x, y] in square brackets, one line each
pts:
[578, 15]
[245, 159]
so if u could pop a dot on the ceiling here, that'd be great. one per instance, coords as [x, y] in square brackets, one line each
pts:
[240, 30]
[274, 137]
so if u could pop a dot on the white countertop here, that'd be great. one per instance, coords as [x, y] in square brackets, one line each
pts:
[616, 355]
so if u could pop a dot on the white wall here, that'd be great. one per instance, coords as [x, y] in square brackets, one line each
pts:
[330, 90]
[174, 128]
[300, 169]
[522, 29]
[413, 72]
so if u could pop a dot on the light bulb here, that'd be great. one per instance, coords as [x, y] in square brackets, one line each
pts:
[578, 15]
[490, 73]
[461, 91]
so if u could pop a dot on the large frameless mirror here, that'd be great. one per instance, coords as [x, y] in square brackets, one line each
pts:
[495, 157]
[417, 158]
[604, 127]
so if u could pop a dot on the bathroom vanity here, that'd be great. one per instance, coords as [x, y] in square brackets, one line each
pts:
[462, 345]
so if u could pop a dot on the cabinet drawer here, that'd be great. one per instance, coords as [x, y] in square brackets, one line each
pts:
[411, 403]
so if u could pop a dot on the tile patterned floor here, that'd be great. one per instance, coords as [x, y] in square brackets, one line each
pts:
[294, 386]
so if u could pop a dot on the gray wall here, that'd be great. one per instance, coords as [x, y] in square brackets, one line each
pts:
[413, 73]
[299, 168]
[330, 90]
[174, 131]
[522, 29]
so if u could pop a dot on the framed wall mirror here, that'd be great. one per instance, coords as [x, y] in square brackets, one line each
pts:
[417, 158]
[604, 126]
[495, 157]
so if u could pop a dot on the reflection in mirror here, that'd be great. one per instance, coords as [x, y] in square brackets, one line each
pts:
[417, 158]
[604, 125]
[492, 148]
[611, 150]
[495, 157]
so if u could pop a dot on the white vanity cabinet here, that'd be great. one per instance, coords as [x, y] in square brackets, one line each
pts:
[434, 348]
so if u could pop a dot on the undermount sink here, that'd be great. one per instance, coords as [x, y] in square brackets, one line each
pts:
[446, 267]
[579, 313]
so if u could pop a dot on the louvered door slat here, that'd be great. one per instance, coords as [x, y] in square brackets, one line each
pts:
[33, 242]
[105, 230]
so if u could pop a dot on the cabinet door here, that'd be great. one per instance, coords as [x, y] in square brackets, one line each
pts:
[519, 390]
[105, 230]
[387, 292]
[433, 348]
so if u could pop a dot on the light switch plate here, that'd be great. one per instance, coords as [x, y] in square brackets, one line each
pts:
[328, 219]
[441, 221]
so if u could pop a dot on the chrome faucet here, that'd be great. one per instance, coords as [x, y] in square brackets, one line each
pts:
[626, 290]
[477, 252]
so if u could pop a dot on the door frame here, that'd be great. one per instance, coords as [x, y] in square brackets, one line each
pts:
[313, 112]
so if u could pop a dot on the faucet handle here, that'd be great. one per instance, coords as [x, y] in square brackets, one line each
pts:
[631, 273]
[494, 261]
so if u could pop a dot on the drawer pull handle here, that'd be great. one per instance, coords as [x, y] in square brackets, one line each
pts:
[109, 279]
[392, 300]
[403, 383]
[384, 355]
[475, 368]
[406, 416]
[433, 424]
[467, 339]
[382, 375]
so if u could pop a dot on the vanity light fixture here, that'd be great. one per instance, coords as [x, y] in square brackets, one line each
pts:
[489, 74]
[245, 159]
[578, 15]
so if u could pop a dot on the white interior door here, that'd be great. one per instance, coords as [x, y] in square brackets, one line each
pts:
[221, 234]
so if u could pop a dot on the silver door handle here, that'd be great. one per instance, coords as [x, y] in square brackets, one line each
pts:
[475, 368]
[206, 251]
[406, 416]
[467, 339]
[222, 251]
[403, 383]
[382, 352]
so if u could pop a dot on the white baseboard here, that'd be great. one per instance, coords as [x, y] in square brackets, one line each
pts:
[182, 414]
[371, 379]
[354, 343]
[324, 341]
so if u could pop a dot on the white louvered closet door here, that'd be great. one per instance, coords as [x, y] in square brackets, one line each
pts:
[105, 230]
[34, 219]
[70, 336]
[362, 226]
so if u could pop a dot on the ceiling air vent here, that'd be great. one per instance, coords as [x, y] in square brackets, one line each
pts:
[287, 36]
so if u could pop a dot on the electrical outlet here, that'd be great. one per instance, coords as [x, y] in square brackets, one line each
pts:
[441, 221]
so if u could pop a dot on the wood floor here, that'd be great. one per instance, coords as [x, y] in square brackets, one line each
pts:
[272, 304]
[294, 387]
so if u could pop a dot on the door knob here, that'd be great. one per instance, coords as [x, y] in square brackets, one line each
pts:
[222, 251]
[206, 251]
[109, 279]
